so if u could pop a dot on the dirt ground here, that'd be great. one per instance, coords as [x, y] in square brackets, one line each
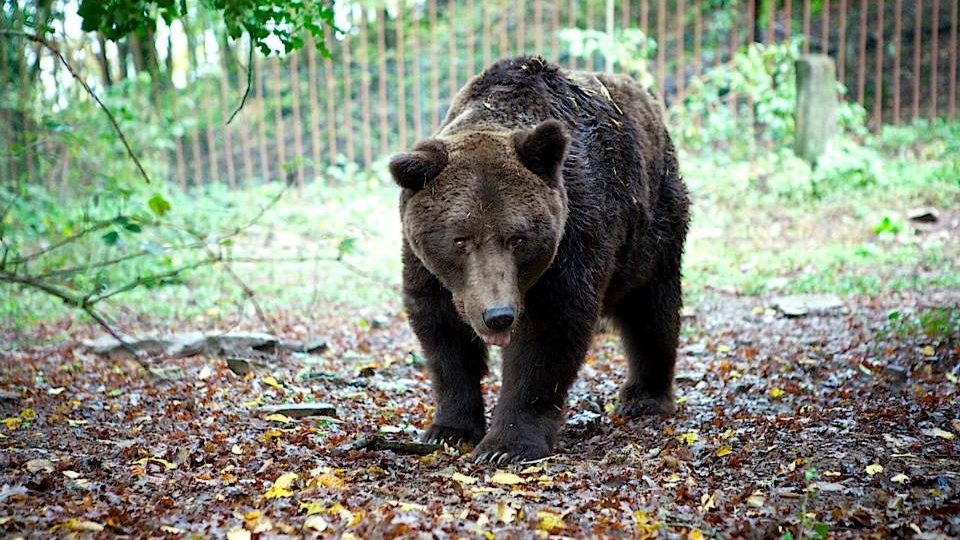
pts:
[839, 423]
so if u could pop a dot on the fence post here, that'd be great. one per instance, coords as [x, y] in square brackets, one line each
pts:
[816, 120]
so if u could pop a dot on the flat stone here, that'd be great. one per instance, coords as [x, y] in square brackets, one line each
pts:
[300, 410]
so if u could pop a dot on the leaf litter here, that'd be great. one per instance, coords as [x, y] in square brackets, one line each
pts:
[787, 427]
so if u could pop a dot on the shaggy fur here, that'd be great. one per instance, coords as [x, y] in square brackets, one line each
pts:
[545, 200]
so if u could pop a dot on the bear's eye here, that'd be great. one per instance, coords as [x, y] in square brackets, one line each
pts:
[460, 243]
[515, 241]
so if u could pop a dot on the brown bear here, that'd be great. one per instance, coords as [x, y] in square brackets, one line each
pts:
[544, 201]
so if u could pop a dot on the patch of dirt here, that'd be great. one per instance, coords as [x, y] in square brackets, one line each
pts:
[842, 423]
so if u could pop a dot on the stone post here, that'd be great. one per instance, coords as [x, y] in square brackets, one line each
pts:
[816, 120]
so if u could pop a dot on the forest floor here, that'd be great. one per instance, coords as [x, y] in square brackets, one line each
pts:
[843, 423]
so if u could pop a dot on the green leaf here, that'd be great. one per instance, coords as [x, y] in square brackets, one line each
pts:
[111, 238]
[158, 205]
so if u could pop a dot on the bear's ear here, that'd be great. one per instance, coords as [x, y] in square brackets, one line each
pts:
[413, 169]
[542, 150]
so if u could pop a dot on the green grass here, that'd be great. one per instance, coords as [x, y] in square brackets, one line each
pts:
[758, 227]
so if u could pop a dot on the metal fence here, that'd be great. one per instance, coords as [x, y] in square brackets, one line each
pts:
[394, 70]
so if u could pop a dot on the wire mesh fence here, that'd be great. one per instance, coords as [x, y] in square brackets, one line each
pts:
[395, 68]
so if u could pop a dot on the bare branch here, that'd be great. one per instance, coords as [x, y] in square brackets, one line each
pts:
[246, 92]
[116, 127]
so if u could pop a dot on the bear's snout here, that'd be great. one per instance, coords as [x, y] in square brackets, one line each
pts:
[499, 318]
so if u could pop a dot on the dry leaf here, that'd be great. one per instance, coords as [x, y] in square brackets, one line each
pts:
[328, 480]
[238, 533]
[776, 393]
[688, 438]
[270, 381]
[282, 486]
[874, 468]
[316, 523]
[464, 479]
[756, 499]
[900, 479]
[549, 522]
[277, 417]
[37, 465]
[723, 451]
[506, 478]
[941, 433]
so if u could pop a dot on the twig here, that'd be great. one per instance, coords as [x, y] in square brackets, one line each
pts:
[377, 443]
[246, 92]
[37, 39]
[84, 304]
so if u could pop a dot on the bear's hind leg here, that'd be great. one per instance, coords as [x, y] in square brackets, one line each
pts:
[649, 323]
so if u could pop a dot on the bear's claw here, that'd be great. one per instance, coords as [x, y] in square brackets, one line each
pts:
[452, 436]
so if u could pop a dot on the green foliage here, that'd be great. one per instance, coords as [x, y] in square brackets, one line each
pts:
[935, 325]
[261, 20]
[629, 50]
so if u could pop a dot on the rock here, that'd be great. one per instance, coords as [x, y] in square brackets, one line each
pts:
[798, 305]
[300, 410]
[190, 343]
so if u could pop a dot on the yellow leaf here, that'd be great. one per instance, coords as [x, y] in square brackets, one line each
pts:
[12, 422]
[464, 479]
[723, 348]
[73, 475]
[410, 507]
[646, 526]
[270, 381]
[315, 522]
[549, 522]
[757, 310]
[253, 514]
[723, 451]
[255, 402]
[688, 438]
[727, 435]
[928, 350]
[277, 417]
[900, 479]
[271, 434]
[832, 473]
[874, 468]
[506, 478]
[695, 534]
[238, 533]
[28, 414]
[82, 525]
[313, 508]
[282, 486]
[328, 480]
[236, 450]
[776, 393]
[533, 469]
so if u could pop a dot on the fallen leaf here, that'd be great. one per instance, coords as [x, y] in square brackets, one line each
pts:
[313, 507]
[331, 481]
[73, 475]
[506, 478]
[688, 438]
[316, 523]
[12, 422]
[81, 525]
[723, 451]
[647, 527]
[28, 414]
[270, 381]
[282, 486]
[464, 479]
[37, 465]
[756, 499]
[549, 522]
[277, 417]
[776, 393]
[900, 479]
[928, 350]
[874, 468]
[238, 533]
[937, 432]
[695, 534]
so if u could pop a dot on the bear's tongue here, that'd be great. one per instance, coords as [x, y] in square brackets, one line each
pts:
[500, 340]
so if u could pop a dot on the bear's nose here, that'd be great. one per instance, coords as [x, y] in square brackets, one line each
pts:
[499, 318]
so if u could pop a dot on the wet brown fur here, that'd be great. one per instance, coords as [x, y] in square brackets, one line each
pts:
[582, 168]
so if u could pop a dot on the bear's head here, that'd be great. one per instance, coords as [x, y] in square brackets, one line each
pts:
[484, 211]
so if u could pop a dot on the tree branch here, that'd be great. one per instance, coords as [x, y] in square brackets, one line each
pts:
[49, 46]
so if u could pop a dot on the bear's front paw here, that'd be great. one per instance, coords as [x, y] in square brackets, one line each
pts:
[502, 448]
[437, 434]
